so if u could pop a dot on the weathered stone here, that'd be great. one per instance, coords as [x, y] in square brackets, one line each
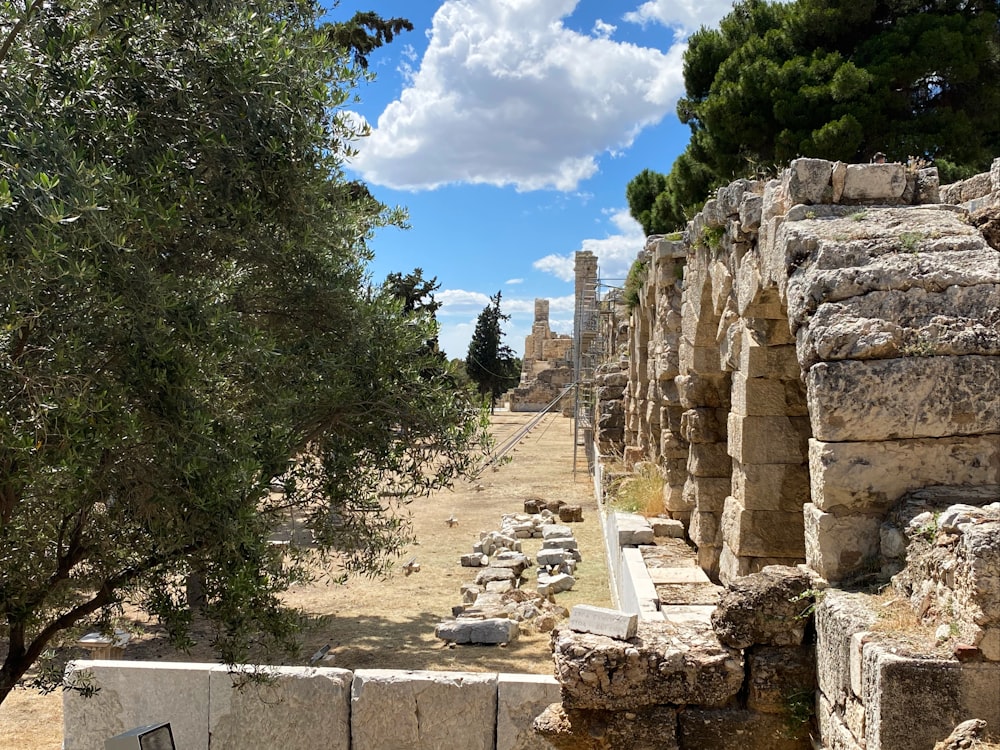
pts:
[470, 591]
[555, 584]
[470, 630]
[703, 425]
[475, 560]
[662, 664]
[709, 460]
[750, 211]
[423, 710]
[913, 397]
[551, 530]
[283, 707]
[957, 320]
[706, 528]
[128, 695]
[732, 566]
[571, 514]
[560, 542]
[761, 397]
[838, 546]
[762, 533]
[575, 729]
[667, 527]
[707, 494]
[547, 557]
[781, 487]
[486, 575]
[768, 440]
[499, 587]
[968, 734]
[769, 608]
[520, 698]
[872, 477]
[808, 181]
[780, 678]
[839, 616]
[735, 729]
[633, 530]
[516, 562]
[613, 623]
[532, 505]
[883, 183]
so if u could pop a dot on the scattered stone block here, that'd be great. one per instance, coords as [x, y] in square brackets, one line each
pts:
[469, 592]
[486, 575]
[560, 542]
[499, 587]
[555, 584]
[392, 709]
[571, 514]
[553, 556]
[613, 623]
[553, 530]
[475, 560]
[516, 562]
[473, 630]
[532, 506]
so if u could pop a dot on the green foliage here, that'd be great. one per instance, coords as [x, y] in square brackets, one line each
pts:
[840, 81]
[641, 194]
[185, 318]
[633, 282]
[490, 363]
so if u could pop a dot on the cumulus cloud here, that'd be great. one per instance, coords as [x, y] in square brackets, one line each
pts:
[615, 251]
[684, 15]
[506, 94]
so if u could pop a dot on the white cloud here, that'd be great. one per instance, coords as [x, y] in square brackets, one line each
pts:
[512, 282]
[461, 302]
[615, 252]
[603, 29]
[506, 94]
[684, 15]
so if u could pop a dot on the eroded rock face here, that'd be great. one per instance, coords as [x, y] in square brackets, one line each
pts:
[769, 608]
[572, 729]
[662, 664]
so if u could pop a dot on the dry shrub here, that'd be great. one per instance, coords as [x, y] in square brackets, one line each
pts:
[642, 492]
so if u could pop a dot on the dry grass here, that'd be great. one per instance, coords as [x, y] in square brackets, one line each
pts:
[390, 623]
[641, 492]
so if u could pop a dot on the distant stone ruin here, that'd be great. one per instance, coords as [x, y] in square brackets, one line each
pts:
[547, 365]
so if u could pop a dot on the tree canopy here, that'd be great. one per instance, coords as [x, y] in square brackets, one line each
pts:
[185, 321]
[490, 363]
[834, 80]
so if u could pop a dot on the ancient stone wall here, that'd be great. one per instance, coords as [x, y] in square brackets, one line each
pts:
[546, 367]
[813, 348]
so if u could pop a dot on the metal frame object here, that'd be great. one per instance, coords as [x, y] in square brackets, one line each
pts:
[149, 737]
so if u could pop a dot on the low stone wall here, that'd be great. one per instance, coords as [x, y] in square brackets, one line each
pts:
[304, 707]
[873, 696]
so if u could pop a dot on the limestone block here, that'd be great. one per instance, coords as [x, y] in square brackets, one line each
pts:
[132, 694]
[808, 181]
[765, 608]
[839, 615]
[698, 326]
[781, 487]
[520, 698]
[739, 729]
[832, 728]
[912, 397]
[551, 530]
[555, 584]
[280, 713]
[874, 182]
[672, 445]
[779, 675]
[667, 528]
[732, 567]
[750, 210]
[872, 477]
[516, 562]
[709, 460]
[768, 440]
[706, 529]
[612, 623]
[704, 425]
[700, 358]
[633, 530]
[768, 397]
[475, 630]
[708, 559]
[838, 546]
[486, 575]
[761, 360]
[560, 542]
[655, 667]
[762, 533]
[580, 729]
[474, 560]
[707, 494]
[687, 574]
[955, 320]
[703, 389]
[571, 514]
[423, 710]
[553, 556]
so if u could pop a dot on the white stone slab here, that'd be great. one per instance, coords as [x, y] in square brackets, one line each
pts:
[560, 542]
[554, 530]
[282, 713]
[613, 623]
[133, 694]
[520, 698]
[678, 575]
[682, 613]
[420, 710]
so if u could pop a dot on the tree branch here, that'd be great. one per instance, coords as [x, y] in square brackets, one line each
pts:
[29, 10]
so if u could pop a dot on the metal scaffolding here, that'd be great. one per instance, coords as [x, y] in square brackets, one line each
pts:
[586, 353]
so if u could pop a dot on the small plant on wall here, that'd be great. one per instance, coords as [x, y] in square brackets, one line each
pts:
[641, 492]
[634, 281]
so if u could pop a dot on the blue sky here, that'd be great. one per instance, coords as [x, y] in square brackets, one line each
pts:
[509, 129]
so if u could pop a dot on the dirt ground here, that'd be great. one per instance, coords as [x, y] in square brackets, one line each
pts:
[390, 623]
